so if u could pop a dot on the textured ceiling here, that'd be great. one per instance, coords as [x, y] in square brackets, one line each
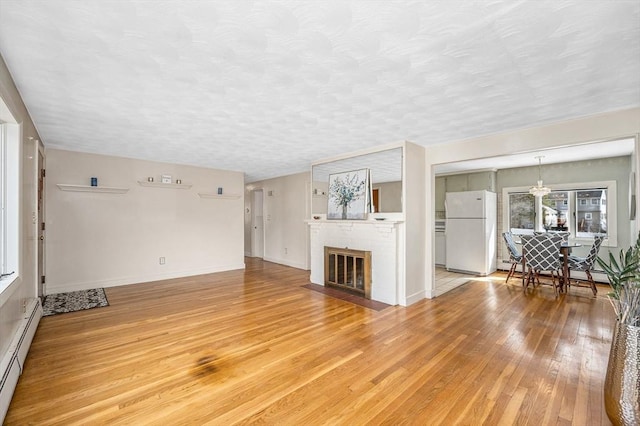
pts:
[268, 87]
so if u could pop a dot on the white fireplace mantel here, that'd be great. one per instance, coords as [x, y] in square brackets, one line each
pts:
[380, 237]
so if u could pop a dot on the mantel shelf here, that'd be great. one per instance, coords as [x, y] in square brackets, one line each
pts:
[87, 188]
[219, 196]
[385, 222]
[164, 185]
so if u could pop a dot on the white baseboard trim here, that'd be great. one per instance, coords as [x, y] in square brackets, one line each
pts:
[12, 362]
[114, 282]
[416, 297]
[286, 262]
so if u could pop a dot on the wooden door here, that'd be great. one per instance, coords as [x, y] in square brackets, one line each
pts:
[376, 202]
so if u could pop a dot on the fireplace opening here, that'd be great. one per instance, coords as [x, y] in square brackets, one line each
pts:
[348, 270]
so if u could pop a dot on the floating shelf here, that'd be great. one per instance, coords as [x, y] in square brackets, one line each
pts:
[219, 196]
[164, 185]
[87, 188]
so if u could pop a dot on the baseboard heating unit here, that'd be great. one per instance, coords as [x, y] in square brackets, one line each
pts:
[12, 362]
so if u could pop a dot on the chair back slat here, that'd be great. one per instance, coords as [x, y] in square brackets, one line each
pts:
[593, 251]
[541, 252]
[514, 254]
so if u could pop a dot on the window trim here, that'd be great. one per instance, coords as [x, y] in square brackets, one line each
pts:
[3, 199]
[612, 200]
[10, 169]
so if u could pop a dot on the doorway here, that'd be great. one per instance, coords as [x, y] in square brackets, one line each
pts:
[257, 224]
[375, 198]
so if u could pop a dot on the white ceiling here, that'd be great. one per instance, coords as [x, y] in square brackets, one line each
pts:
[268, 87]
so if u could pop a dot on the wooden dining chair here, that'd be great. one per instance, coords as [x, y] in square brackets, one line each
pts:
[515, 257]
[541, 255]
[585, 264]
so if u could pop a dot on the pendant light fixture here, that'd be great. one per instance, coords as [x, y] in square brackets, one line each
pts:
[539, 190]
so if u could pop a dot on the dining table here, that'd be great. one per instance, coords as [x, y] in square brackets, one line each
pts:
[565, 251]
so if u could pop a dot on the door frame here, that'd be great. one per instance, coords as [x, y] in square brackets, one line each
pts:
[40, 220]
[254, 251]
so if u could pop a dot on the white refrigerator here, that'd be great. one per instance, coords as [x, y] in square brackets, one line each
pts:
[471, 232]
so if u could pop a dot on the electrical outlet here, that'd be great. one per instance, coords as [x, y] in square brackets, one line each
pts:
[162, 260]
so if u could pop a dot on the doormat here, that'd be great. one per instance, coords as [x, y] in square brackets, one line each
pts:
[342, 295]
[61, 303]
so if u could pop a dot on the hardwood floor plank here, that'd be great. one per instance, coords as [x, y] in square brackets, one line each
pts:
[254, 347]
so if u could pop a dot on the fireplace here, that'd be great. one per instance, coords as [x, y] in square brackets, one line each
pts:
[348, 270]
[382, 239]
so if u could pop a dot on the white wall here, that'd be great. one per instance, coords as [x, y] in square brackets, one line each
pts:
[613, 125]
[286, 235]
[102, 240]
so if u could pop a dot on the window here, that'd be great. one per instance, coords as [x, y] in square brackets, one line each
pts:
[581, 209]
[555, 208]
[592, 219]
[3, 200]
[9, 203]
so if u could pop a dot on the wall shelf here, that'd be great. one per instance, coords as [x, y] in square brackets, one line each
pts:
[87, 188]
[218, 196]
[164, 185]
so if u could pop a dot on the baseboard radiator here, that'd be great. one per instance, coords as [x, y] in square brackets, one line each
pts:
[12, 363]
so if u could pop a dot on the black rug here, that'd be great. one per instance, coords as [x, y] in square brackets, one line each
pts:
[73, 301]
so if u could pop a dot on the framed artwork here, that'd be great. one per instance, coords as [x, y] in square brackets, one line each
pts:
[348, 195]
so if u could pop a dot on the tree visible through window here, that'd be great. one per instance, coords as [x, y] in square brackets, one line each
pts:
[522, 212]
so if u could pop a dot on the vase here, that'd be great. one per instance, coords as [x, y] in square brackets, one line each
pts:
[344, 211]
[622, 382]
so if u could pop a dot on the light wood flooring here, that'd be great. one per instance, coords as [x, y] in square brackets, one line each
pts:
[252, 346]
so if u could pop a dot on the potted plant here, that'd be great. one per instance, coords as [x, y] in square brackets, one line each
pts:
[622, 382]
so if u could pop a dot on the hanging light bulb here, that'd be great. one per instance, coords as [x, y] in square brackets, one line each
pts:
[539, 190]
